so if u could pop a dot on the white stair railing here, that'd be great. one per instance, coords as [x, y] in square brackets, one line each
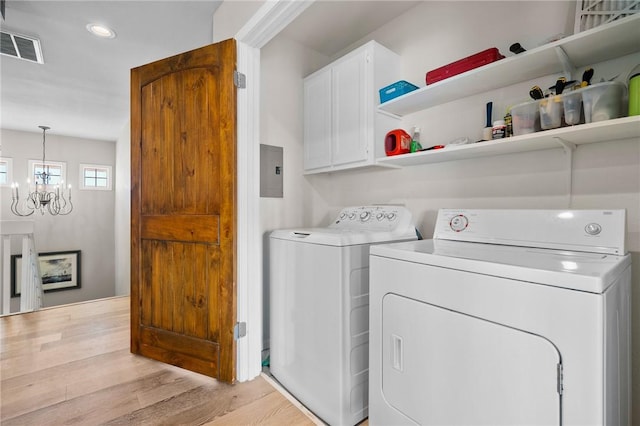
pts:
[31, 293]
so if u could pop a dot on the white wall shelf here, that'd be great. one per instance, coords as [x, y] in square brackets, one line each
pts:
[602, 131]
[599, 44]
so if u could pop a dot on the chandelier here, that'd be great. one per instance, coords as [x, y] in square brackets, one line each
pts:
[45, 196]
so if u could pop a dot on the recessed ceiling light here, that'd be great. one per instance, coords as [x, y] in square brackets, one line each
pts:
[101, 31]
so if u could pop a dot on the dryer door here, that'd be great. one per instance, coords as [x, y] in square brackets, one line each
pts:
[441, 367]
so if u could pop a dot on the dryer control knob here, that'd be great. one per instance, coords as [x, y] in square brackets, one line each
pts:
[380, 216]
[459, 223]
[392, 216]
[593, 229]
[365, 216]
[352, 215]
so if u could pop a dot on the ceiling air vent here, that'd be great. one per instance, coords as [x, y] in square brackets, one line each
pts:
[21, 47]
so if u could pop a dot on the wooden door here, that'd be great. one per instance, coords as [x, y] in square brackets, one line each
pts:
[183, 210]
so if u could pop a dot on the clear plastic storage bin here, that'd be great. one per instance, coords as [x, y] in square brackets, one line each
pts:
[551, 112]
[603, 101]
[525, 118]
[572, 102]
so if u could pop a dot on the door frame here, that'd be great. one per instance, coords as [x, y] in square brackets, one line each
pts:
[272, 17]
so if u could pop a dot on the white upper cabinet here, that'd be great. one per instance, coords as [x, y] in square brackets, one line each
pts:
[342, 128]
[349, 113]
[317, 121]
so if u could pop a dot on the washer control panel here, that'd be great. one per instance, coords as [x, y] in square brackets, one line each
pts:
[459, 223]
[372, 218]
[597, 231]
[593, 228]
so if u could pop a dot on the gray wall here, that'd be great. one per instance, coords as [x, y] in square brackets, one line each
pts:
[605, 175]
[89, 227]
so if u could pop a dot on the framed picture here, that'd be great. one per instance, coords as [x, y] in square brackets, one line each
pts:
[59, 270]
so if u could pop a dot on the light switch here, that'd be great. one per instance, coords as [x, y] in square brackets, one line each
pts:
[271, 171]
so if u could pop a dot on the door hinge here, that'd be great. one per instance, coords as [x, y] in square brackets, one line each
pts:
[239, 79]
[559, 379]
[239, 330]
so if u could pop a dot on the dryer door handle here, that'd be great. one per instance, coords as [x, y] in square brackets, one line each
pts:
[397, 352]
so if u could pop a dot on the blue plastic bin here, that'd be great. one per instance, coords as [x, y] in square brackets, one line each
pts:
[396, 89]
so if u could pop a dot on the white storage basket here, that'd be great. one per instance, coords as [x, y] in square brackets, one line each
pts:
[593, 13]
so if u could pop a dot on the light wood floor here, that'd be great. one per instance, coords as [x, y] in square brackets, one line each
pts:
[71, 365]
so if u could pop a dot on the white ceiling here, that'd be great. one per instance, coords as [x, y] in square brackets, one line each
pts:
[329, 26]
[82, 89]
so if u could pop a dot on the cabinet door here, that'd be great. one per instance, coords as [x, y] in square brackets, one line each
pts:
[317, 121]
[350, 106]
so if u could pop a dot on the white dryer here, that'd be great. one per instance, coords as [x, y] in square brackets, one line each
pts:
[505, 317]
[319, 308]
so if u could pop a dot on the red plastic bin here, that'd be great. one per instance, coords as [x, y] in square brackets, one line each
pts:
[463, 65]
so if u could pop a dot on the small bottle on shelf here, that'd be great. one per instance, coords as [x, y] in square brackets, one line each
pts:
[415, 140]
[508, 121]
[499, 129]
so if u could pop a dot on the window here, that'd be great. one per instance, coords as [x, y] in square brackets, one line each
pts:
[56, 171]
[95, 177]
[6, 171]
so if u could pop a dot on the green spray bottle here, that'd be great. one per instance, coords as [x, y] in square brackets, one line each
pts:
[415, 140]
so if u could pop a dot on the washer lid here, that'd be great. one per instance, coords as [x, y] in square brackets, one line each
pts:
[356, 226]
[343, 237]
[592, 272]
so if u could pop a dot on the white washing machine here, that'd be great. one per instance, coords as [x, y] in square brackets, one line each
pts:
[505, 317]
[319, 310]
